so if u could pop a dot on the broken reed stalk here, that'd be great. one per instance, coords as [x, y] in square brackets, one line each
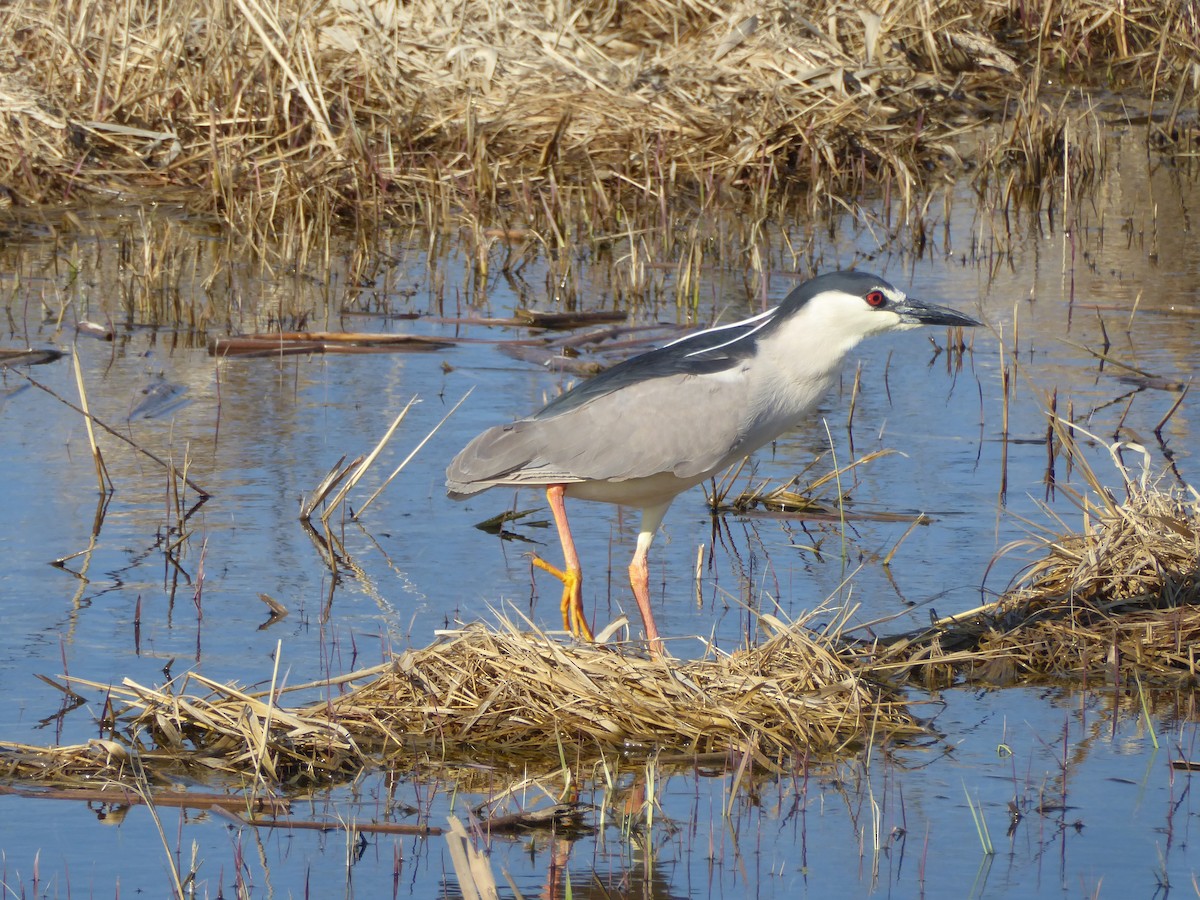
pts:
[104, 483]
[331, 480]
[472, 868]
[412, 453]
[1170, 412]
[921, 519]
[362, 467]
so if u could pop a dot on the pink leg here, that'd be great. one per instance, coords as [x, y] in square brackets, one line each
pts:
[639, 574]
[571, 574]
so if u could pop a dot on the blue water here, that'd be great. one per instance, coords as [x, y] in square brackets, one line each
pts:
[259, 434]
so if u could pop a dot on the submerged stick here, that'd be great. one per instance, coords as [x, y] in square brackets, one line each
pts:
[122, 794]
[1170, 412]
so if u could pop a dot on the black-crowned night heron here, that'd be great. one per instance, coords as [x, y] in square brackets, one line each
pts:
[654, 425]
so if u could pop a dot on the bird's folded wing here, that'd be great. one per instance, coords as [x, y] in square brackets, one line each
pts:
[684, 425]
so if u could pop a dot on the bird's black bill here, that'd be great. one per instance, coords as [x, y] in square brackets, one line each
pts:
[918, 312]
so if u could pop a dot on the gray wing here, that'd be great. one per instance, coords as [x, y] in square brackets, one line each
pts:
[721, 349]
[682, 424]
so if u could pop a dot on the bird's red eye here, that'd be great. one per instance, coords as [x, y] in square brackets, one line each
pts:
[876, 299]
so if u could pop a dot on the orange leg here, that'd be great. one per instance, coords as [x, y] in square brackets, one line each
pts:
[571, 574]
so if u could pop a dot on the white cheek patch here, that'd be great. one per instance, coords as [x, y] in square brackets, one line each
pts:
[878, 321]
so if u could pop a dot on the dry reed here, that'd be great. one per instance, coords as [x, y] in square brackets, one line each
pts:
[506, 689]
[283, 119]
[515, 698]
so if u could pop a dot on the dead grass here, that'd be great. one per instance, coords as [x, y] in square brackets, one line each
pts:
[517, 699]
[505, 689]
[1118, 599]
[591, 118]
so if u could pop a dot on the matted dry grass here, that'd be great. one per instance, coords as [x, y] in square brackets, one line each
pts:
[1119, 598]
[516, 692]
[515, 699]
[284, 117]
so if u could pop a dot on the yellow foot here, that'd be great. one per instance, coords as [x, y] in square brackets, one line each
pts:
[572, 599]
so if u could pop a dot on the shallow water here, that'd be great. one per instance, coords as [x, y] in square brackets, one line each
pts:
[1102, 809]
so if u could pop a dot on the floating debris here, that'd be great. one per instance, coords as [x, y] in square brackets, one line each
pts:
[563, 320]
[29, 357]
[292, 342]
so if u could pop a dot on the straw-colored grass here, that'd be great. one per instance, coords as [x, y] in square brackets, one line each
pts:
[285, 117]
[1119, 598]
[507, 690]
[515, 698]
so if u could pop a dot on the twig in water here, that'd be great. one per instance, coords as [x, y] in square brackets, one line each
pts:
[278, 611]
[105, 483]
[1170, 412]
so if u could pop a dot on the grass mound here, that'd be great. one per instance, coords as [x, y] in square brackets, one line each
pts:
[517, 699]
[513, 693]
[1120, 597]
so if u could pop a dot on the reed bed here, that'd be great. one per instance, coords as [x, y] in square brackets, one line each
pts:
[285, 119]
[1119, 599]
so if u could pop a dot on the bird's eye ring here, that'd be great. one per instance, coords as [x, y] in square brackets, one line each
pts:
[876, 299]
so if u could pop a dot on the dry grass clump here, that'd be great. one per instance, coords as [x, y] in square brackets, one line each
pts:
[505, 691]
[285, 117]
[1120, 597]
[512, 698]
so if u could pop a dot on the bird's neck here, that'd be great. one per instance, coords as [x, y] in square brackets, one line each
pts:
[805, 356]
